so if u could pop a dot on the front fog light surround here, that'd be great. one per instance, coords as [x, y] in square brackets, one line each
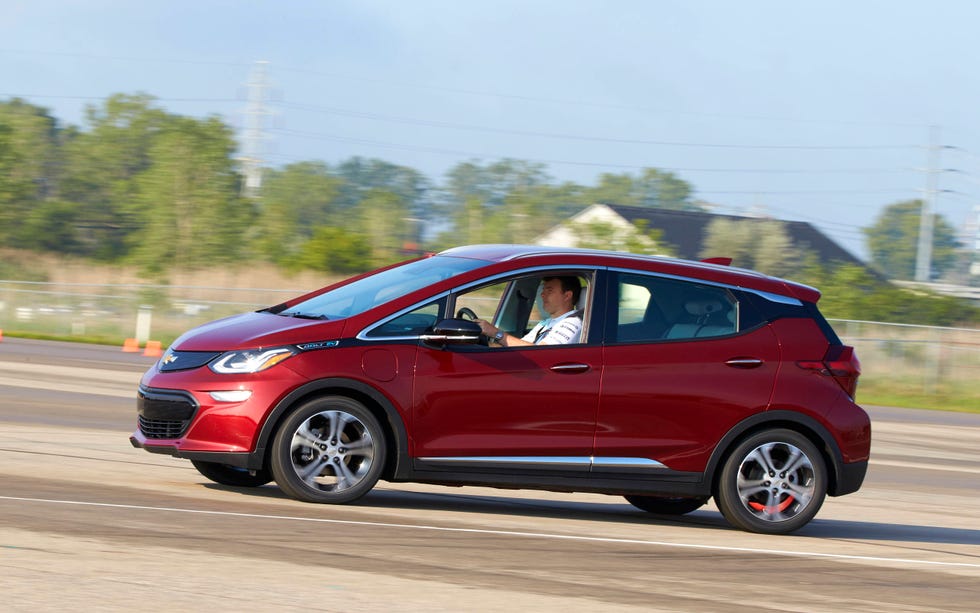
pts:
[250, 361]
[231, 395]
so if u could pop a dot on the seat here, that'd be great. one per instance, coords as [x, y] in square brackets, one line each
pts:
[719, 329]
[701, 312]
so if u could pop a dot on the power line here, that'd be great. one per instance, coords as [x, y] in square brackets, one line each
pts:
[475, 154]
[101, 98]
[516, 132]
[457, 90]
[567, 136]
[117, 58]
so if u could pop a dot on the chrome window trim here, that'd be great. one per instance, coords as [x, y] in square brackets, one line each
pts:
[771, 297]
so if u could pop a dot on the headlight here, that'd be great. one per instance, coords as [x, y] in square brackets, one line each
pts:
[247, 362]
[231, 395]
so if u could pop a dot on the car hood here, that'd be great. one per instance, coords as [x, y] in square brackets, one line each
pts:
[251, 330]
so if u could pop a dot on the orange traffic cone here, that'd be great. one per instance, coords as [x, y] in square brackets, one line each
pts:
[131, 346]
[1, 334]
[153, 349]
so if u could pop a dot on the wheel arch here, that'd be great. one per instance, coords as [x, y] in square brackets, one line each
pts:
[790, 420]
[397, 463]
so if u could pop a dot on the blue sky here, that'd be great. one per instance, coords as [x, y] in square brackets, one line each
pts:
[813, 111]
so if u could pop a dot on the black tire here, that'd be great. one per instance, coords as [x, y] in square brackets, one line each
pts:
[329, 450]
[774, 482]
[232, 475]
[667, 506]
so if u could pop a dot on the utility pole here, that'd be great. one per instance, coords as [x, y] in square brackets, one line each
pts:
[923, 257]
[253, 138]
[975, 260]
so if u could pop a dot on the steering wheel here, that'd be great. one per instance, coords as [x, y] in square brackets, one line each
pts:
[467, 313]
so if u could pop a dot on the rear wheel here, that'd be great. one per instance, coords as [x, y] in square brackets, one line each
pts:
[667, 506]
[774, 482]
[233, 475]
[329, 450]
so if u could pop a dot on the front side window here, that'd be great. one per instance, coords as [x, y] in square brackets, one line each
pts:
[412, 323]
[650, 308]
[522, 305]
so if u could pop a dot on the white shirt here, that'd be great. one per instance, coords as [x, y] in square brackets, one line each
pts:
[560, 330]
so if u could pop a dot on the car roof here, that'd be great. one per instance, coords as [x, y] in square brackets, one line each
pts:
[741, 277]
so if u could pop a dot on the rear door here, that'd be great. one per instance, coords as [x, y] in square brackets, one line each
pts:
[683, 363]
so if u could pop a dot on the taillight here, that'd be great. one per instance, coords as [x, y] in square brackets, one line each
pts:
[841, 363]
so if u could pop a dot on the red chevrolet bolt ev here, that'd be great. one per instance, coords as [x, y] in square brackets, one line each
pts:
[690, 380]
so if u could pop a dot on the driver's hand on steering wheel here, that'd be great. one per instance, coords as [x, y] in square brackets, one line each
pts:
[487, 328]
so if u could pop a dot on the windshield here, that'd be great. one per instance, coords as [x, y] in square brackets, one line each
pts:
[369, 292]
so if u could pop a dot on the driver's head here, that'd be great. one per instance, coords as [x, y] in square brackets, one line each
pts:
[560, 294]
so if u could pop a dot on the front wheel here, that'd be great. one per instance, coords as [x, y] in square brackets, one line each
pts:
[232, 475]
[667, 506]
[329, 450]
[774, 482]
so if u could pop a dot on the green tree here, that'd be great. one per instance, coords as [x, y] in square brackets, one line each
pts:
[334, 250]
[522, 214]
[29, 149]
[186, 201]
[361, 176]
[385, 223]
[103, 164]
[759, 244]
[530, 211]
[852, 292]
[53, 226]
[492, 183]
[651, 188]
[604, 235]
[295, 202]
[894, 237]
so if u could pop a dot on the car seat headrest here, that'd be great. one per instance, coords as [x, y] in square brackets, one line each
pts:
[702, 307]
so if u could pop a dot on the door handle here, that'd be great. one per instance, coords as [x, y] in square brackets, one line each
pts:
[570, 369]
[744, 363]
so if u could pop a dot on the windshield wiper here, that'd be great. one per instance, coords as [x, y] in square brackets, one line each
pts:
[305, 315]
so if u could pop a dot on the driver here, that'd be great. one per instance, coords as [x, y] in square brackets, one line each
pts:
[559, 295]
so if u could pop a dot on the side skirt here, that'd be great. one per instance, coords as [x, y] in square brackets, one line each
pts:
[599, 475]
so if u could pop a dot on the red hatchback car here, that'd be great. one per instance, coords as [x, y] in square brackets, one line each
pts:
[686, 380]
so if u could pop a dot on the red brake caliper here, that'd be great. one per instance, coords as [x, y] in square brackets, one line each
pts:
[758, 506]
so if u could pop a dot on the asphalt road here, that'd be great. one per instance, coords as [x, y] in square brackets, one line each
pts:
[89, 523]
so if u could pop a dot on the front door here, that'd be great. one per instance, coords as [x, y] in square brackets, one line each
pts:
[508, 406]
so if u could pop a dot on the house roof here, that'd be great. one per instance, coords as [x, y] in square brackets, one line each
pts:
[686, 231]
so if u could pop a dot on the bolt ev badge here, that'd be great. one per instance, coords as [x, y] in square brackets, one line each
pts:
[169, 358]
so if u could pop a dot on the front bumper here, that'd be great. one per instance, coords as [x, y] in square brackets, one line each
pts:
[238, 459]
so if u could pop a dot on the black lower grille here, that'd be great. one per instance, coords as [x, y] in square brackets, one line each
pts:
[162, 428]
[164, 414]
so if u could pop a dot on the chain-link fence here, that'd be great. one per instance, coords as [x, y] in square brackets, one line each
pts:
[923, 360]
[112, 313]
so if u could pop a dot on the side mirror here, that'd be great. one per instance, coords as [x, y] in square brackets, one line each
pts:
[453, 332]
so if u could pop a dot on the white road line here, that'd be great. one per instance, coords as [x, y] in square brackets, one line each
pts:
[924, 466]
[80, 388]
[529, 535]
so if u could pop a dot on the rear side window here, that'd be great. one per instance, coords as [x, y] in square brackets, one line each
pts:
[651, 308]
[771, 311]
